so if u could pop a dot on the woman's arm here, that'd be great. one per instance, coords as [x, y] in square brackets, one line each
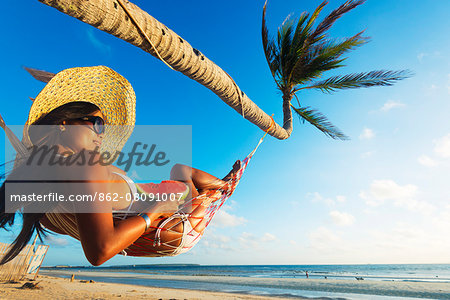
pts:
[101, 239]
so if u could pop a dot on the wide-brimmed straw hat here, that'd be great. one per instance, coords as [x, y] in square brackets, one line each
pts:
[98, 85]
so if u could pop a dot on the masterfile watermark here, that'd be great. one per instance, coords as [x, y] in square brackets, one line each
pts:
[50, 175]
[38, 157]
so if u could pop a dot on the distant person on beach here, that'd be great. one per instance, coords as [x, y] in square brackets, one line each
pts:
[307, 275]
[93, 98]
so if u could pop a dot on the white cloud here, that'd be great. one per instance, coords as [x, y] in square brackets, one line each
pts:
[248, 240]
[391, 104]
[342, 218]
[224, 219]
[367, 134]
[268, 237]
[211, 240]
[381, 190]
[427, 161]
[315, 197]
[318, 198]
[401, 196]
[442, 146]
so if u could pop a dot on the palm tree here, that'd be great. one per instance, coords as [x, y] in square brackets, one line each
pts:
[301, 54]
[128, 22]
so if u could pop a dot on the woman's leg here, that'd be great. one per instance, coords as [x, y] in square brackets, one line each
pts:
[199, 182]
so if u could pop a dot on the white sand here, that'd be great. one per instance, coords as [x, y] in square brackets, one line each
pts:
[436, 290]
[62, 288]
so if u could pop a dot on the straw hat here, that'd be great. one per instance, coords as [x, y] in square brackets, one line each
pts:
[98, 85]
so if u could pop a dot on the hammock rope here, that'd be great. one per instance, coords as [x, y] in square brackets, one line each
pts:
[142, 32]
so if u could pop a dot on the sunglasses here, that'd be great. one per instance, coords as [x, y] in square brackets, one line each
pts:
[97, 122]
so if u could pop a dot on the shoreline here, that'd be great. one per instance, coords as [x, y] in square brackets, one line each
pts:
[297, 287]
[62, 288]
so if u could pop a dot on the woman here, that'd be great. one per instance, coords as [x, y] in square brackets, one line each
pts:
[91, 98]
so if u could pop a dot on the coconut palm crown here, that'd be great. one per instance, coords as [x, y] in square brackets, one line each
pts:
[301, 54]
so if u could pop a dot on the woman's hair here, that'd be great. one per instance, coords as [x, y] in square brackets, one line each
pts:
[31, 223]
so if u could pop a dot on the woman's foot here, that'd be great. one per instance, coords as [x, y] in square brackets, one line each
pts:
[236, 167]
[217, 183]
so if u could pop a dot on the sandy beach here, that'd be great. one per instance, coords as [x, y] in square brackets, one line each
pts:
[62, 288]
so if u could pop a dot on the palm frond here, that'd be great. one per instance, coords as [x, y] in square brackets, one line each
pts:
[268, 44]
[318, 120]
[298, 38]
[302, 33]
[297, 44]
[40, 75]
[284, 46]
[323, 57]
[359, 80]
[332, 17]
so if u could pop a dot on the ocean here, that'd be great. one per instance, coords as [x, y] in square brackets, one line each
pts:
[270, 280]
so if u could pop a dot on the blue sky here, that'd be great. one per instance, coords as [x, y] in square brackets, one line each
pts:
[381, 197]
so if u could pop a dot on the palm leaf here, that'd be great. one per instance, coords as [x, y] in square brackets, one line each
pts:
[318, 120]
[359, 80]
[302, 32]
[284, 47]
[323, 57]
[268, 44]
[329, 20]
[293, 47]
[40, 75]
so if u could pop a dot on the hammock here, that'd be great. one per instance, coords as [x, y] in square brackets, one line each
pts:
[214, 199]
[150, 244]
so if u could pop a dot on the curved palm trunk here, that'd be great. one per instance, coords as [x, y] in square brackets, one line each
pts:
[109, 16]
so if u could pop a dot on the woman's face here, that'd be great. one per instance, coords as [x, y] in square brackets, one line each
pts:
[82, 136]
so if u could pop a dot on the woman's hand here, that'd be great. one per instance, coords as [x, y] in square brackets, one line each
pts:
[158, 209]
